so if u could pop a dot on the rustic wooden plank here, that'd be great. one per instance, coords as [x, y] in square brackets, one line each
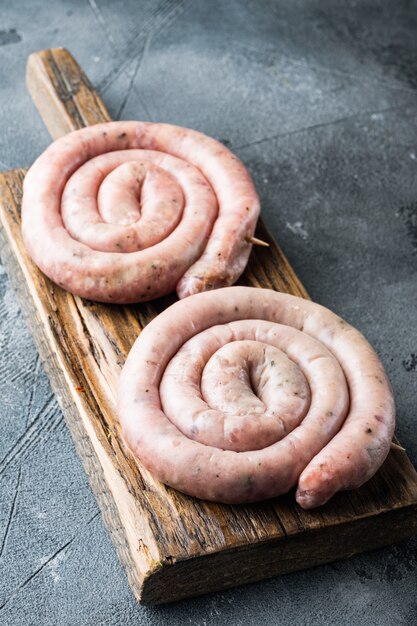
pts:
[172, 546]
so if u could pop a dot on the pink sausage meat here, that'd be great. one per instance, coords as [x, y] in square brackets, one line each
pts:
[130, 211]
[240, 394]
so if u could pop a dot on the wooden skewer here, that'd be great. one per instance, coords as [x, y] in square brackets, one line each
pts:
[256, 242]
[396, 446]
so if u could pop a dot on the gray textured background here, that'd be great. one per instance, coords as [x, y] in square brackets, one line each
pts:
[319, 99]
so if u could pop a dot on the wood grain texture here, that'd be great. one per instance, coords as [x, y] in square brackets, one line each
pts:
[172, 546]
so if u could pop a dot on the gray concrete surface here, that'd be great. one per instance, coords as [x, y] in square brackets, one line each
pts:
[319, 99]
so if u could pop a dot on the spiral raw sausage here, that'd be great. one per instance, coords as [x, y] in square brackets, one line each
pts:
[239, 394]
[130, 211]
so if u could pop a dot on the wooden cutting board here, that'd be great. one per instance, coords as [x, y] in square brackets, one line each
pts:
[172, 546]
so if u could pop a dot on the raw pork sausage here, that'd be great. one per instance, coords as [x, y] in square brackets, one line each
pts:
[240, 394]
[130, 211]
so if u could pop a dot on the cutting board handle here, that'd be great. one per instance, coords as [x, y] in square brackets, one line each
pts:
[62, 93]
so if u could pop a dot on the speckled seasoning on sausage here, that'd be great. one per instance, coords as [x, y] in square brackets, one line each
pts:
[240, 394]
[130, 211]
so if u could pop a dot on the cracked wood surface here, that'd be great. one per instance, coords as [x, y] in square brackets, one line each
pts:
[172, 546]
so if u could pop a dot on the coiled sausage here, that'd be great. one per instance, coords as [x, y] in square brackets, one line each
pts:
[240, 394]
[130, 211]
